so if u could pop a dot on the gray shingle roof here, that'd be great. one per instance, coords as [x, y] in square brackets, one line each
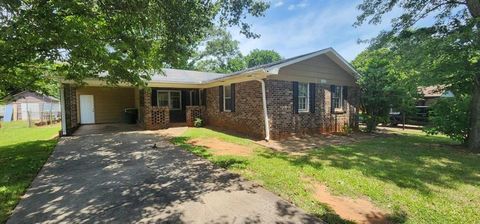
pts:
[187, 76]
[197, 77]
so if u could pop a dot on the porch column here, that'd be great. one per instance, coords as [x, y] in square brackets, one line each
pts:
[147, 108]
[154, 117]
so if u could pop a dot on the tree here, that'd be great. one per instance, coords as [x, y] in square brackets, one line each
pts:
[450, 116]
[382, 86]
[218, 53]
[260, 57]
[448, 51]
[128, 40]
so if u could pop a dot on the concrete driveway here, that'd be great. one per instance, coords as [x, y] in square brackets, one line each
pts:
[118, 177]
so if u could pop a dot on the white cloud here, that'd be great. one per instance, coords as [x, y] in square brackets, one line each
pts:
[299, 5]
[309, 30]
[278, 4]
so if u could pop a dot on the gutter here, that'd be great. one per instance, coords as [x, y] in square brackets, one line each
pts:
[265, 113]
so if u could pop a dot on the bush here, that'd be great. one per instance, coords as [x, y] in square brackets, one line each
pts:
[198, 122]
[450, 116]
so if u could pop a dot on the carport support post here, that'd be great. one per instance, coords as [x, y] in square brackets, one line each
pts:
[62, 106]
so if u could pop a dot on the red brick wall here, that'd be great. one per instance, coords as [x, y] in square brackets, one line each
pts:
[248, 115]
[284, 122]
[70, 108]
[153, 117]
[194, 112]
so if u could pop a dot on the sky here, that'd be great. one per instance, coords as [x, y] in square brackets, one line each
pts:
[294, 27]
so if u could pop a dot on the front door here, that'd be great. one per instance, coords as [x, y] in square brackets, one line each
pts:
[87, 111]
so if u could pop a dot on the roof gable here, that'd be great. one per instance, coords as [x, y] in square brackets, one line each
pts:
[274, 67]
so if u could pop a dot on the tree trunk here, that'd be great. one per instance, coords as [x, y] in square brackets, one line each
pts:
[474, 135]
[474, 8]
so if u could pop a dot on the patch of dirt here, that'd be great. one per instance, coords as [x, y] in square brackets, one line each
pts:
[357, 210]
[171, 132]
[299, 145]
[219, 147]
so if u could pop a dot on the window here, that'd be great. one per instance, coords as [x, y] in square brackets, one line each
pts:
[175, 100]
[227, 98]
[162, 98]
[337, 98]
[303, 97]
[172, 99]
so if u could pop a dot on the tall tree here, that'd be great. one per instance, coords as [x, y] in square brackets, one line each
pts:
[260, 57]
[217, 53]
[383, 86]
[78, 39]
[448, 50]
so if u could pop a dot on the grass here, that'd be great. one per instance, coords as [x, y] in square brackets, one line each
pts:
[23, 151]
[417, 178]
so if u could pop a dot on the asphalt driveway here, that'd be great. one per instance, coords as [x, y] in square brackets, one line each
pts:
[118, 177]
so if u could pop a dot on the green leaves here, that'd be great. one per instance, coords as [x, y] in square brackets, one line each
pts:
[260, 57]
[383, 86]
[451, 117]
[220, 53]
[121, 38]
[445, 52]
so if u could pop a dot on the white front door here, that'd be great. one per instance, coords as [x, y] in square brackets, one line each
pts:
[87, 111]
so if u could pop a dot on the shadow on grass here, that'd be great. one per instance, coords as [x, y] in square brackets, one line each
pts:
[221, 161]
[240, 163]
[20, 164]
[413, 162]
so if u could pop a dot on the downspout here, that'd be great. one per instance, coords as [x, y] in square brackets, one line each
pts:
[62, 107]
[265, 113]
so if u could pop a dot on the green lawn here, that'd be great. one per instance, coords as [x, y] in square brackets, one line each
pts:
[416, 178]
[23, 151]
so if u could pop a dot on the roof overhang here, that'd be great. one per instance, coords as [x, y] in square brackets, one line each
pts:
[242, 77]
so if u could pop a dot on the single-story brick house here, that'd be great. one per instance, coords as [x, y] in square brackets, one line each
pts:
[311, 93]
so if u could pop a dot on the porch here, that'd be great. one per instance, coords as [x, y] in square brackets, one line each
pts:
[162, 108]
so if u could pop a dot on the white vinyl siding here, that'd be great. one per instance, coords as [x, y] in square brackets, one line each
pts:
[303, 97]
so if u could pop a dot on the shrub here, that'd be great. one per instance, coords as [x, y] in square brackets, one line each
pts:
[198, 122]
[450, 116]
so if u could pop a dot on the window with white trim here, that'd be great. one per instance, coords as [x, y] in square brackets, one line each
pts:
[227, 98]
[170, 98]
[303, 97]
[337, 98]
